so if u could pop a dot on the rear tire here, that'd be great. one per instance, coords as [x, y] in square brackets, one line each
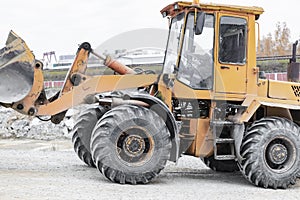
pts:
[270, 149]
[82, 132]
[130, 144]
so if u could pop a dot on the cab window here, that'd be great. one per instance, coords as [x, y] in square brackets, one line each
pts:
[232, 40]
[196, 62]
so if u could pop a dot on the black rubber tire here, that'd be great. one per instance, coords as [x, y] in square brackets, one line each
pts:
[82, 132]
[220, 165]
[112, 139]
[270, 151]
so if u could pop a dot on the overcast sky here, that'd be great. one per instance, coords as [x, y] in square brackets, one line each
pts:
[60, 25]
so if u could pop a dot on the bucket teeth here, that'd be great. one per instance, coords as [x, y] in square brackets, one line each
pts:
[11, 37]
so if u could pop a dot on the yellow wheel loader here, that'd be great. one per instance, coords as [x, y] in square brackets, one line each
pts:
[208, 102]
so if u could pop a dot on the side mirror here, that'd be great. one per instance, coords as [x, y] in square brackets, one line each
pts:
[199, 23]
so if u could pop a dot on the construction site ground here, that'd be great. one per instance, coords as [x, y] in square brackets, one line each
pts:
[36, 169]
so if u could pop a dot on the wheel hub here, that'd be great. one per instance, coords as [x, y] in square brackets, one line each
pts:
[134, 145]
[278, 153]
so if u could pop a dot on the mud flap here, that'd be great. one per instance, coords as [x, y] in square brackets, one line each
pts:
[16, 70]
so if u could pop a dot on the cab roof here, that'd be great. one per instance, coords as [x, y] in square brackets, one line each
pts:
[178, 6]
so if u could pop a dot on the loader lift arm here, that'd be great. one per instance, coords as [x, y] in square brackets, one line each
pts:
[91, 86]
[77, 88]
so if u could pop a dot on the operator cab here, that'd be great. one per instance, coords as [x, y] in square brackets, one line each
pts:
[209, 46]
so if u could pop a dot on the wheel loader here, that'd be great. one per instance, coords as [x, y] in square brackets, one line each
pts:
[208, 102]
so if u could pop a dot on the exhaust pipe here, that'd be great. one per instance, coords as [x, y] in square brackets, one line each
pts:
[16, 70]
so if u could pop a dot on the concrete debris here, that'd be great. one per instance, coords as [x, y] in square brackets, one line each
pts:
[15, 125]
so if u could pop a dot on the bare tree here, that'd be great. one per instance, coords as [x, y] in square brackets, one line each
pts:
[267, 46]
[282, 39]
[278, 46]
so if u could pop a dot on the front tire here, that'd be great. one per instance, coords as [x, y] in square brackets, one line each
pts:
[270, 149]
[130, 144]
[82, 132]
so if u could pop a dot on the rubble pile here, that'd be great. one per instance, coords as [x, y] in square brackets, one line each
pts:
[16, 125]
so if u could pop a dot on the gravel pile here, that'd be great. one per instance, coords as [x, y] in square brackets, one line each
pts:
[16, 125]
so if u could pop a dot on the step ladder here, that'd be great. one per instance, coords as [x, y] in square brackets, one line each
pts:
[222, 143]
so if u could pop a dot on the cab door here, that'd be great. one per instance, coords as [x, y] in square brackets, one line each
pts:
[231, 62]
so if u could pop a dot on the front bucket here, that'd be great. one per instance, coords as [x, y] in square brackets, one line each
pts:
[16, 70]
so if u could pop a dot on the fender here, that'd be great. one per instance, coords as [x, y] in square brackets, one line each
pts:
[253, 103]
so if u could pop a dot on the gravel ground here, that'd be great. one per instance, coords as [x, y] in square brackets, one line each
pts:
[33, 169]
